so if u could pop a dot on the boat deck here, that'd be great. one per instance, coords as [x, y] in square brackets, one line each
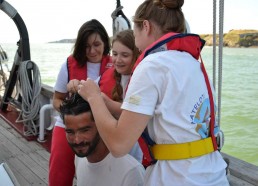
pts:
[27, 159]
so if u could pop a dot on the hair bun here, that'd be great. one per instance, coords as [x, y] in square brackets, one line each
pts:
[171, 4]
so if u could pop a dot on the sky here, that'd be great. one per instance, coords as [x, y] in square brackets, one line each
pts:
[52, 20]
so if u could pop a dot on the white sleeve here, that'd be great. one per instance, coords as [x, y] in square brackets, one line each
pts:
[143, 89]
[135, 177]
[62, 79]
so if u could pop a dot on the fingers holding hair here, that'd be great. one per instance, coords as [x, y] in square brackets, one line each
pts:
[88, 89]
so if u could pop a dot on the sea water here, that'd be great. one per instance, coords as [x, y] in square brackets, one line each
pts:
[239, 96]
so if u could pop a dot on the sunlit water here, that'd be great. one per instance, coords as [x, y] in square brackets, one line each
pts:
[239, 106]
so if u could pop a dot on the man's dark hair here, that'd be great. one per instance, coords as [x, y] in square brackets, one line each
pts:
[74, 105]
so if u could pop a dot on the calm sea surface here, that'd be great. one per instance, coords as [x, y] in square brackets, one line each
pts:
[239, 106]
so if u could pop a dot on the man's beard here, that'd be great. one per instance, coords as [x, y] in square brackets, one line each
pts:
[91, 147]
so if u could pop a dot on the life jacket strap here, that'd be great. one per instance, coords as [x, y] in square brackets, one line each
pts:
[145, 142]
[182, 150]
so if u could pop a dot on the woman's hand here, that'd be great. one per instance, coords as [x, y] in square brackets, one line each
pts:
[72, 86]
[88, 89]
[58, 98]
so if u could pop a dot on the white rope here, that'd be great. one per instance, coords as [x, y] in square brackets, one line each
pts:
[214, 41]
[30, 92]
[220, 48]
[221, 22]
[3, 75]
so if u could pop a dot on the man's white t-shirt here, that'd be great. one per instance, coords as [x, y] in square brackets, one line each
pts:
[111, 171]
[170, 87]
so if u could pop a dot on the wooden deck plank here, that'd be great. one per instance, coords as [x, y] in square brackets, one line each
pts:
[20, 167]
[27, 159]
[42, 162]
[5, 153]
[25, 145]
[244, 171]
[14, 150]
[234, 181]
[19, 141]
[44, 154]
[34, 167]
[18, 174]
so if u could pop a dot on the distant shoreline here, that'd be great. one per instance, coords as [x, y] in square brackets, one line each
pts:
[64, 41]
[233, 39]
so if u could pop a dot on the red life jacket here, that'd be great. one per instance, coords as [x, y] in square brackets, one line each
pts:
[80, 72]
[192, 44]
[107, 82]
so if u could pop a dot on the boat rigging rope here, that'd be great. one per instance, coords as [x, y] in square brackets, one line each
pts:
[3, 76]
[214, 42]
[30, 92]
[220, 48]
[221, 18]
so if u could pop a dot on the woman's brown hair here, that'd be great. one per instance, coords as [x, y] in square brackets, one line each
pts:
[88, 28]
[167, 14]
[125, 37]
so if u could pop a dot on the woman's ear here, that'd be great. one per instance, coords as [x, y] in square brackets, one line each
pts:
[147, 26]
